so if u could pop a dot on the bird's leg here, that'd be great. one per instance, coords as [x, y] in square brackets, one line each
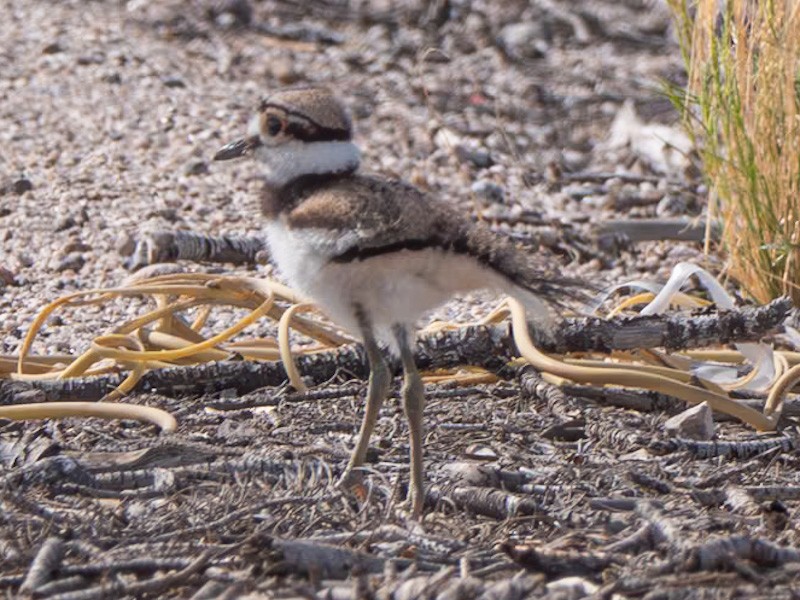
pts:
[379, 380]
[413, 404]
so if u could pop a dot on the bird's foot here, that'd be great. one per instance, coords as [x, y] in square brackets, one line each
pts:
[408, 512]
[416, 502]
[352, 481]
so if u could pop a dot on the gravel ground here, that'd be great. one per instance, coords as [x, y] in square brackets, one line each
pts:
[135, 98]
[519, 113]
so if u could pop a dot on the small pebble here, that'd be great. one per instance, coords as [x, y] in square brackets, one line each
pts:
[695, 423]
[6, 276]
[95, 58]
[125, 244]
[168, 214]
[65, 223]
[480, 452]
[173, 82]
[21, 185]
[25, 260]
[154, 270]
[572, 588]
[113, 78]
[488, 190]
[284, 71]
[446, 138]
[196, 167]
[75, 246]
[477, 156]
[52, 48]
[231, 13]
[71, 262]
[18, 187]
[524, 40]
[671, 205]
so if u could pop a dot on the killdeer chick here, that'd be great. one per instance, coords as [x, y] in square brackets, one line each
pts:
[374, 253]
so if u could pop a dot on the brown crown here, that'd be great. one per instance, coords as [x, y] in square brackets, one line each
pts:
[316, 113]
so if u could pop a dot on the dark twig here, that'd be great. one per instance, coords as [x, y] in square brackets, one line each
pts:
[118, 589]
[241, 513]
[558, 562]
[642, 230]
[725, 448]
[46, 562]
[484, 501]
[533, 386]
[721, 552]
[640, 400]
[61, 586]
[615, 435]
[304, 556]
[648, 481]
[647, 537]
[601, 177]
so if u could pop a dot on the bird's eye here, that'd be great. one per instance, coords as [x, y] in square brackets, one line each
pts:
[274, 125]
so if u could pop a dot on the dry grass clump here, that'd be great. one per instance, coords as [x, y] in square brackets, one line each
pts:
[742, 105]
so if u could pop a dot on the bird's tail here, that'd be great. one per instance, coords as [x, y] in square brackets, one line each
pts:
[544, 291]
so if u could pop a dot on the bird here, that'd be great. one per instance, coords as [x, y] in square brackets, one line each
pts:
[374, 253]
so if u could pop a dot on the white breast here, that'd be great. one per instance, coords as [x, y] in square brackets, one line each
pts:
[392, 288]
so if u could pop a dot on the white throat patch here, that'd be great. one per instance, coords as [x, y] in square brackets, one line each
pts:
[281, 164]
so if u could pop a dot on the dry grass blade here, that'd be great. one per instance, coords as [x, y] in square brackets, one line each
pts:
[631, 377]
[56, 410]
[680, 299]
[166, 337]
[162, 338]
[285, 349]
[742, 105]
[787, 381]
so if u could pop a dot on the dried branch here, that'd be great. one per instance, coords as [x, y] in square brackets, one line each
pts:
[484, 501]
[490, 347]
[304, 557]
[532, 385]
[672, 331]
[44, 564]
[639, 400]
[559, 562]
[725, 448]
[773, 492]
[653, 483]
[720, 553]
[647, 537]
[615, 435]
[118, 589]
[148, 564]
[392, 533]
[61, 586]
[169, 246]
[642, 230]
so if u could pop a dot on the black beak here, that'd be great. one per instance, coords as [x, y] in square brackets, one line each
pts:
[238, 148]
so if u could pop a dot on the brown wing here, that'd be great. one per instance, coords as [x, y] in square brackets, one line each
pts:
[379, 215]
[376, 216]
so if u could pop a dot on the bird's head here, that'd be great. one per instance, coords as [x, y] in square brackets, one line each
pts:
[297, 132]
